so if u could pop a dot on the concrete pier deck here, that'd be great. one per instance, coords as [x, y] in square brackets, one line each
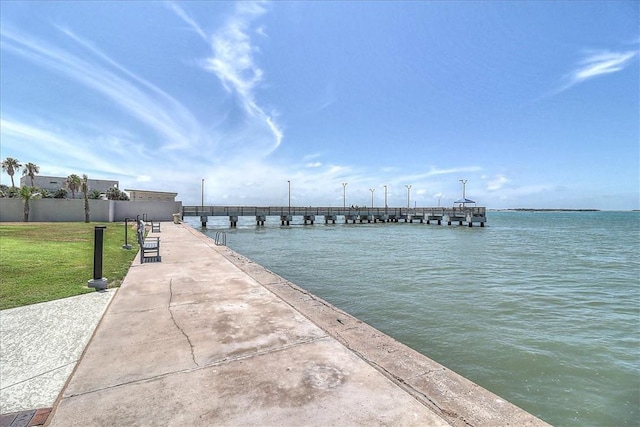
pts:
[207, 337]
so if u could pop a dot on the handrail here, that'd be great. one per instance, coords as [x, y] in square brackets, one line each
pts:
[299, 211]
[221, 238]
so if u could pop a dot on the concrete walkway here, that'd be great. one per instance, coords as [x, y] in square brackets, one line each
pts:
[206, 337]
[40, 345]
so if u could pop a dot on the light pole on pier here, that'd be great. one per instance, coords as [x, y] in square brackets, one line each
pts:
[464, 193]
[385, 196]
[344, 195]
[202, 196]
[289, 181]
[408, 196]
[372, 191]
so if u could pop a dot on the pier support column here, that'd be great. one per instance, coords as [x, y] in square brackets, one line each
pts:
[331, 218]
[285, 219]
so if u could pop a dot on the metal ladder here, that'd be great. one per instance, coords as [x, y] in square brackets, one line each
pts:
[221, 238]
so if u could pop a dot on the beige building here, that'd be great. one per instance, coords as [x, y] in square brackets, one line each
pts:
[147, 195]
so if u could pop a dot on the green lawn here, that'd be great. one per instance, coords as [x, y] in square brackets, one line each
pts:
[46, 261]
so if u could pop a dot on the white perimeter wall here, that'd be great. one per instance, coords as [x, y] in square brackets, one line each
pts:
[72, 210]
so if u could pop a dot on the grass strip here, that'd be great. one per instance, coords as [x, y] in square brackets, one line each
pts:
[42, 262]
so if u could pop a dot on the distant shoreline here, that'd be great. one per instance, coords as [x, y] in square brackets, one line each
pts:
[546, 210]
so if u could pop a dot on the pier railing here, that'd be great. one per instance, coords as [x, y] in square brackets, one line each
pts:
[453, 212]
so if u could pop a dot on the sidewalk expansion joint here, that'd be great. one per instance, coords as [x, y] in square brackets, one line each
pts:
[213, 364]
[266, 351]
[39, 375]
[193, 356]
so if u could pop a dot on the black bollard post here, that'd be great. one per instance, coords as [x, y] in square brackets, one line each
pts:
[98, 282]
[126, 240]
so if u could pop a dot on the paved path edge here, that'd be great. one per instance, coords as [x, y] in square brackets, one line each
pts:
[455, 398]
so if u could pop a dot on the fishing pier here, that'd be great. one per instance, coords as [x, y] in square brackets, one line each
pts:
[455, 215]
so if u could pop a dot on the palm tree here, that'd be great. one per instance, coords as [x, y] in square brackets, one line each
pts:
[31, 170]
[10, 166]
[84, 187]
[73, 183]
[26, 193]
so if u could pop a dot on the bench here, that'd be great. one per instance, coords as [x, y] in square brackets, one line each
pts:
[155, 226]
[149, 247]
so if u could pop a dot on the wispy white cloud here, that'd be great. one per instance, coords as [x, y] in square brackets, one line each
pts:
[41, 143]
[234, 64]
[462, 169]
[188, 20]
[142, 100]
[497, 183]
[597, 64]
[61, 150]
[434, 171]
[602, 63]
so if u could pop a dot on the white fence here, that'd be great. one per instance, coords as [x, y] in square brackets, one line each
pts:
[72, 210]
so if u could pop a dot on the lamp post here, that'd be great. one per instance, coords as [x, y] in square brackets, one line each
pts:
[408, 196]
[385, 196]
[464, 193]
[372, 191]
[344, 195]
[289, 181]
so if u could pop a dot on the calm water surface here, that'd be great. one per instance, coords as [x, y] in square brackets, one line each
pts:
[543, 309]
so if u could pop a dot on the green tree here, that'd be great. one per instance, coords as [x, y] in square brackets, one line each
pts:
[115, 194]
[14, 193]
[84, 187]
[27, 193]
[73, 183]
[31, 170]
[61, 193]
[95, 194]
[10, 166]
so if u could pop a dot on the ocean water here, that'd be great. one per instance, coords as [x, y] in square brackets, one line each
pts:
[541, 308]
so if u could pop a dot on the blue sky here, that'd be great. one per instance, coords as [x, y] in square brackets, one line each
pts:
[535, 104]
